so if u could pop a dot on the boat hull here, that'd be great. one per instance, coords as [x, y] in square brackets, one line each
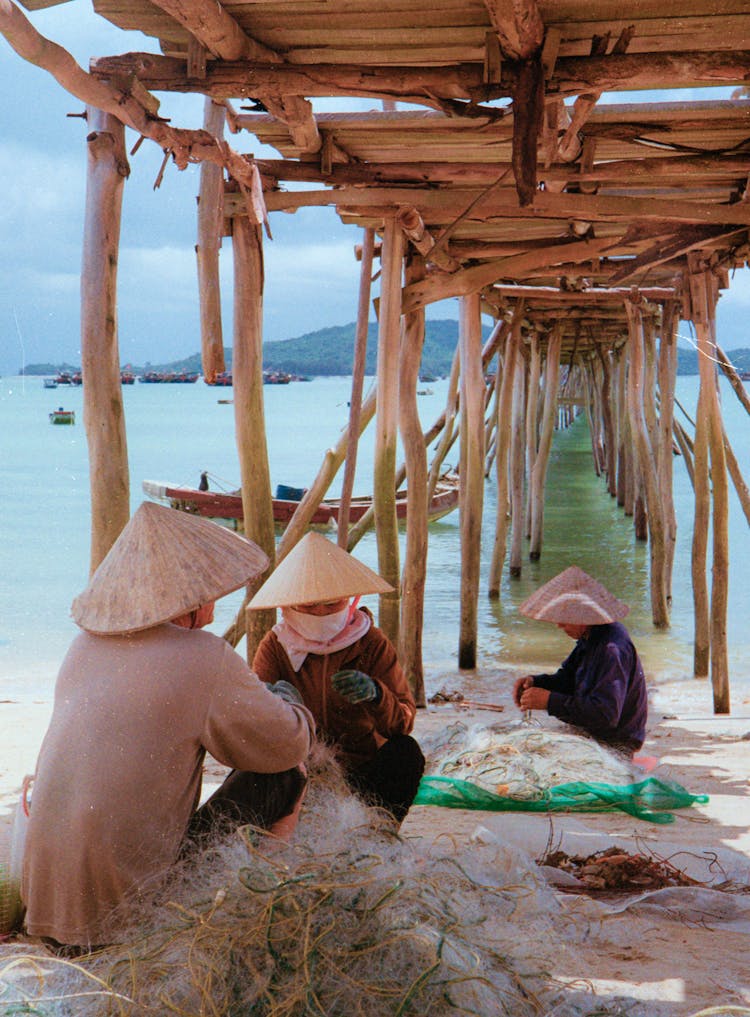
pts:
[228, 506]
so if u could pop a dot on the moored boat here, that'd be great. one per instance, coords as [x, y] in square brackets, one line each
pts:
[50, 383]
[227, 505]
[61, 416]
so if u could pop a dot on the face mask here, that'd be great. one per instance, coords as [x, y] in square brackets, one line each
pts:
[318, 628]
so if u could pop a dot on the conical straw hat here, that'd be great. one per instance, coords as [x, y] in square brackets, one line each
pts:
[163, 564]
[574, 598]
[315, 571]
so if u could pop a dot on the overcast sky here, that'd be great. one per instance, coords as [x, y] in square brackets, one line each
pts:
[311, 273]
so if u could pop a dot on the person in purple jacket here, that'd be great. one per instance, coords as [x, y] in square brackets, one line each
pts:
[600, 687]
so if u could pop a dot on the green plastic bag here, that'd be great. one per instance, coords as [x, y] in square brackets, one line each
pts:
[650, 799]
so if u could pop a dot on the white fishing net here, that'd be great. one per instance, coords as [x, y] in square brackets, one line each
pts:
[522, 761]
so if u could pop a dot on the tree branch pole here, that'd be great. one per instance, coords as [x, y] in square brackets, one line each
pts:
[472, 473]
[539, 474]
[414, 571]
[358, 378]
[646, 464]
[517, 467]
[249, 419]
[386, 424]
[504, 428]
[210, 222]
[532, 419]
[667, 372]
[103, 410]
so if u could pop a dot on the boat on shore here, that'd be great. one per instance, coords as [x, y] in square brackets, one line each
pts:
[226, 506]
[61, 416]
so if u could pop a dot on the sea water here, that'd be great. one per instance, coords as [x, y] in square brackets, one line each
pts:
[174, 432]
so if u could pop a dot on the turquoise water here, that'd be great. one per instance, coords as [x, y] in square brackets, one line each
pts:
[175, 431]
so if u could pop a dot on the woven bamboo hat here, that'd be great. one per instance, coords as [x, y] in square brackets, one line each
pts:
[316, 571]
[574, 598]
[163, 564]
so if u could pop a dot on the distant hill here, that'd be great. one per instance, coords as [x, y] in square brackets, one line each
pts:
[330, 351]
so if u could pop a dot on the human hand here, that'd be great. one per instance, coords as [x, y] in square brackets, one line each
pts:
[287, 692]
[521, 684]
[356, 686]
[534, 698]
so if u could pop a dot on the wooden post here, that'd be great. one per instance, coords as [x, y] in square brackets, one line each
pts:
[249, 421]
[415, 554]
[517, 467]
[358, 377]
[646, 464]
[504, 429]
[472, 473]
[622, 426]
[703, 294]
[588, 385]
[384, 491]
[667, 371]
[610, 442]
[539, 474]
[210, 221]
[451, 410]
[103, 412]
[532, 417]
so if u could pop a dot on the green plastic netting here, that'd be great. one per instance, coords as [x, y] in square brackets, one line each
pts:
[651, 799]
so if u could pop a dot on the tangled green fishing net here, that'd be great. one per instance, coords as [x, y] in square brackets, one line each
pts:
[650, 799]
[529, 769]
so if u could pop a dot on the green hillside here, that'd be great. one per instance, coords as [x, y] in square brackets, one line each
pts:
[330, 351]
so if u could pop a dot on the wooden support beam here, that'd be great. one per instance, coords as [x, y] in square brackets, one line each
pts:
[210, 229]
[703, 296]
[430, 86]
[667, 373]
[528, 114]
[185, 146]
[215, 28]
[384, 490]
[502, 447]
[532, 417]
[646, 464]
[549, 412]
[358, 378]
[103, 410]
[471, 479]
[414, 574]
[249, 418]
[516, 469]
[519, 26]
[410, 221]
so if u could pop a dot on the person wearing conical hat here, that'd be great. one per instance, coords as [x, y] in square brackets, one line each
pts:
[142, 694]
[600, 687]
[345, 669]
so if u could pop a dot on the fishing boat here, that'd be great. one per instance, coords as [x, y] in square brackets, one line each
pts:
[226, 506]
[50, 383]
[61, 416]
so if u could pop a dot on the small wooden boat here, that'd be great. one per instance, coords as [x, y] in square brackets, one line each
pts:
[61, 416]
[227, 505]
[50, 383]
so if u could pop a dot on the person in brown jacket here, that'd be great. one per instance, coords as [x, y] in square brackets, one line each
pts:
[138, 702]
[345, 669]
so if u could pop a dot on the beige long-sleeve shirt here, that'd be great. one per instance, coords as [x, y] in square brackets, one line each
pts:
[119, 771]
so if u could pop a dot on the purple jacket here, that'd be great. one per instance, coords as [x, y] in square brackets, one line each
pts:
[601, 687]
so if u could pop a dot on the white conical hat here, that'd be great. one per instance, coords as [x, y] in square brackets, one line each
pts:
[574, 598]
[163, 564]
[315, 571]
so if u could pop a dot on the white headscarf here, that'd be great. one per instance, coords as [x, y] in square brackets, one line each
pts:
[300, 633]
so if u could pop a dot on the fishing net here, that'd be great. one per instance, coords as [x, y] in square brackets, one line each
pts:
[349, 919]
[529, 769]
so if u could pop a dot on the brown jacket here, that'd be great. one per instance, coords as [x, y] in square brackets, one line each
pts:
[357, 730]
[119, 771]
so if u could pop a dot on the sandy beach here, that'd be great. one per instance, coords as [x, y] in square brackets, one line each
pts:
[659, 960]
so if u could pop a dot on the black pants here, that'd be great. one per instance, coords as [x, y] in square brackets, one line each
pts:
[391, 778]
[259, 799]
